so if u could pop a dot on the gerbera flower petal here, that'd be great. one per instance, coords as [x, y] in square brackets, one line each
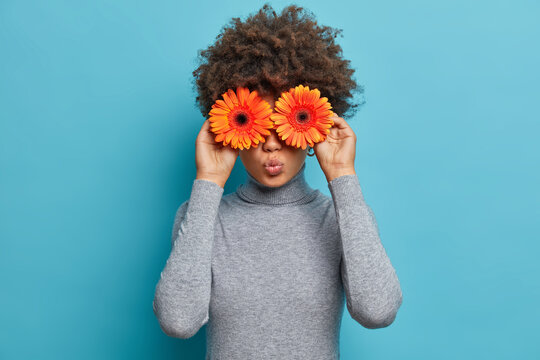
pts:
[241, 119]
[230, 136]
[282, 127]
[243, 93]
[314, 134]
[294, 137]
[301, 116]
[283, 106]
[222, 104]
[252, 96]
[314, 95]
[289, 99]
[233, 97]
[304, 144]
[306, 95]
[279, 119]
[287, 133]
[219, 111]
[321, 102]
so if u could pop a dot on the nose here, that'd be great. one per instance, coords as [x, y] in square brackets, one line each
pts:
[272, 142]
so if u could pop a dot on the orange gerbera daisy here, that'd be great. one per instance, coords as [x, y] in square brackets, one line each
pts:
[301, 116]
[241, 119]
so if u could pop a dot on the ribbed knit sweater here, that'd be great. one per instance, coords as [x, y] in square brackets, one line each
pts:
[268, 269]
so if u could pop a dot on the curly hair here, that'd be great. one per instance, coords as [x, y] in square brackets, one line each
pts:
[271, 54]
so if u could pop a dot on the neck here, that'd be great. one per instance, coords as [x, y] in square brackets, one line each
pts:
[294, 191]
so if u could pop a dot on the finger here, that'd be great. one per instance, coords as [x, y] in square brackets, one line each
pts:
[206, 124]
[339, 122]
[206, 132]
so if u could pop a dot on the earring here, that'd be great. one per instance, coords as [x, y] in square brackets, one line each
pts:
[313, 153]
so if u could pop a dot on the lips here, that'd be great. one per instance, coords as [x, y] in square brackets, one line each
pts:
[273, 167]
[273, 162]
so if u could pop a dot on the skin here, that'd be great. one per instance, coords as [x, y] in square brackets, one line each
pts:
[335, 155]
[273, 148]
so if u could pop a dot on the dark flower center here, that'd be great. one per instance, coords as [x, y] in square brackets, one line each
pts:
[302, 116]
[241, 118]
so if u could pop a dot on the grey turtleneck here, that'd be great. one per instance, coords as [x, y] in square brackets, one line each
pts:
[268, 268]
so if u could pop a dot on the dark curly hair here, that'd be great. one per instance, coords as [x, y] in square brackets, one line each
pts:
[271, 54]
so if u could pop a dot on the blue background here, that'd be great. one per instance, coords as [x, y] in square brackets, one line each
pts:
[97, 131]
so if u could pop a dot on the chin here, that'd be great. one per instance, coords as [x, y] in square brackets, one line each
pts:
[275, 180]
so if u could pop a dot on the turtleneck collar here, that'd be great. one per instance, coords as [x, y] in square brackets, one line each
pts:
[295, 191]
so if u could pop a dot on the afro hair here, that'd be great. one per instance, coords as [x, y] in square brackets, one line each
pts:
[271, 54]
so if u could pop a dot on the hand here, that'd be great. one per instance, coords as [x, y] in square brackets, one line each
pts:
[214, 161]
[336, 154]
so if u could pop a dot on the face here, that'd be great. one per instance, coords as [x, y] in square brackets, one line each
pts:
[256, 160]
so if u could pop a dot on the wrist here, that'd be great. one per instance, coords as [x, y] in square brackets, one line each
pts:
[331, 175]
[216, 179]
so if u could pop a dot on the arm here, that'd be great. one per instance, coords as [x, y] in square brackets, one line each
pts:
[371, 285]
[182, 294]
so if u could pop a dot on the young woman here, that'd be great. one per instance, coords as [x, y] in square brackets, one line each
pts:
[269, 266]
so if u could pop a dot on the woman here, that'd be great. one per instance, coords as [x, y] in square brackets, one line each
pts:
[269, 266]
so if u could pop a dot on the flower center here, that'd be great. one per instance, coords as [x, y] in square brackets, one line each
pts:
[302, 116]
[241, 118]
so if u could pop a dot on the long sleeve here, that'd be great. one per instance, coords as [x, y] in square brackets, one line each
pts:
[182, 295]
[372, 289]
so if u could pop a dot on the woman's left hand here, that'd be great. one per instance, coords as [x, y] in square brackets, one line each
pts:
[336, 154]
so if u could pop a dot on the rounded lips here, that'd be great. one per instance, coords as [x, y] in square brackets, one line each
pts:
[273, 162]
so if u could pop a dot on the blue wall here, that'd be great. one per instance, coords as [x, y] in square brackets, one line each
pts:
[97, 130]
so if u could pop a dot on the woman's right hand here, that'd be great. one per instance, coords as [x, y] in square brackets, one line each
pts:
[214, 161]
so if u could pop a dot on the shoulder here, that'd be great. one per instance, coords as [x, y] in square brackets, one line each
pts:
[323, 205]
[232, 204]
[226, 202]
